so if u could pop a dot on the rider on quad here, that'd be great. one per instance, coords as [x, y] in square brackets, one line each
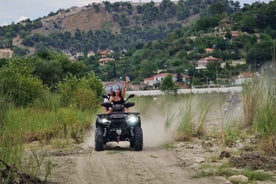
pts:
[119, 124]
[118, 97]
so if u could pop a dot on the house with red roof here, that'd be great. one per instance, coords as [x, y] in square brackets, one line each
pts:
[245, 77]
[202, 63]
[209, 50]
[156, 79]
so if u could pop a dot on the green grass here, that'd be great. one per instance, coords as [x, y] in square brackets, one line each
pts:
[58, 128]
[226, 170]
[42, 125]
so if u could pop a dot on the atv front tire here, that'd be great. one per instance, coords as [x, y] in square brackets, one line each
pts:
[132, 142]
[99, 140]
[138, 146]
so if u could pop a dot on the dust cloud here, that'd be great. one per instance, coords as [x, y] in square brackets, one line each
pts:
[161, 115]
[153, 120]
[154, 128]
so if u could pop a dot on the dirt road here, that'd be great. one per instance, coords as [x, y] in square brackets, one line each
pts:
[153, 165]
[158, 163]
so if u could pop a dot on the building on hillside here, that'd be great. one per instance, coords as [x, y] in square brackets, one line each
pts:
[78, 54]
[104, 53]
[6, 53]
[235, 34]
[245, 77]
[238, 62]
[202, 63]
[209, 50]
[90, 54]
[149, 81]
[157, 79]
[224, 24]
[105, 60]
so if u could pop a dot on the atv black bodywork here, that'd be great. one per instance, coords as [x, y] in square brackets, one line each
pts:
[119, 126]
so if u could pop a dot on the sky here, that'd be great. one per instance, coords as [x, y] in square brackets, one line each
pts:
[12, 11]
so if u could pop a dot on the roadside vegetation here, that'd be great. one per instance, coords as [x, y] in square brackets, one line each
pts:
[50, 121]
[57, 110]
[47, 98]
[226, 120]
[260, 108]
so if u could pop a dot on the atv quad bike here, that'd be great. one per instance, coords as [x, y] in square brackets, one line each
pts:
[119, 126]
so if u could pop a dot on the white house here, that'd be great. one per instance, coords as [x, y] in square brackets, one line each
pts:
[103, 61]
[6, 53]
[202, 63]
[245, 77]
[150, 81]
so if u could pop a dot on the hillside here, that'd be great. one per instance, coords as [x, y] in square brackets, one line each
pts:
[84, 19]
[89, 18]
[116, 26]
[145, 38]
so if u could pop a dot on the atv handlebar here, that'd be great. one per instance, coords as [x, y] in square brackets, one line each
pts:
[126, 104]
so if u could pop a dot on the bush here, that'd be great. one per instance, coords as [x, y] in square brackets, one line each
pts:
[168, 85]
[85, 92]
[48, 101]
[17, 81]
[85, 99]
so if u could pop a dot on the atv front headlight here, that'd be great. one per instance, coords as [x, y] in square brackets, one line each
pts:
[132, 120]
[104, 121]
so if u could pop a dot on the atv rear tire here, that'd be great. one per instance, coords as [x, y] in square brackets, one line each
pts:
[138, 139]
[99, 142]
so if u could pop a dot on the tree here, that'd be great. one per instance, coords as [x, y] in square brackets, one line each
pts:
[205, 23]
[107, 6]
[168, 85]
[216, 8]
[52, 66]
[167, 8]
[96, 7]
[80, 91]
[260, 53]
[49, 71]
[213, 70]
[248, 24]
[18, 82]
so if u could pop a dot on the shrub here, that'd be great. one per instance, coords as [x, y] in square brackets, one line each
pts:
[168, 85]
[17, 81]
[85, 92]
[85, 99]
[48, 101]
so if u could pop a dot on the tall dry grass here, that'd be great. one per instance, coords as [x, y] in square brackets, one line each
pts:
[260, 107]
